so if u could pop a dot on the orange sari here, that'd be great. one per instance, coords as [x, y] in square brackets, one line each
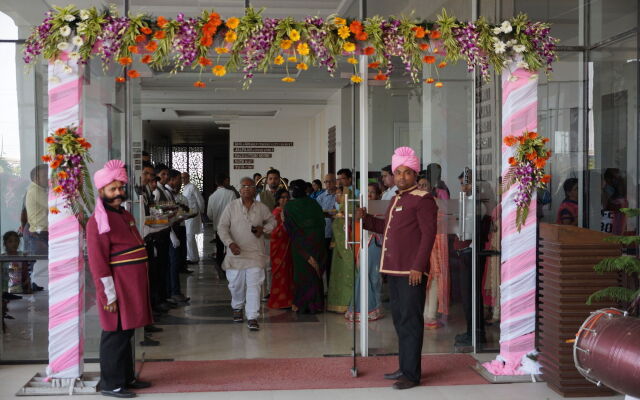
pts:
[281, 266]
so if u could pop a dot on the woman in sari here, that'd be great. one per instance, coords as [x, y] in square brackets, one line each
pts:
[341, 282]
[281, 262]
[304, 222]
[374, 287]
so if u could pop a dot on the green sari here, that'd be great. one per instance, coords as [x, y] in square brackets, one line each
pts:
[341, 280]
[305, 224]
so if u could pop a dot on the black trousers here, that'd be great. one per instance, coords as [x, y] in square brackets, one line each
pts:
[466, 289]
[220, 251]
[154, 272]
[407, 307]
[116, 359]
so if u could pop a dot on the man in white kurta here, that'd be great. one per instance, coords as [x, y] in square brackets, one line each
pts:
[194, 225]
[242, 227]
[218, 201]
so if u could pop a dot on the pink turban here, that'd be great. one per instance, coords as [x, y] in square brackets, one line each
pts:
[407, 157]
[113, 171]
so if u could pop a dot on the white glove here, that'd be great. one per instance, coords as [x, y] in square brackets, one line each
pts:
[174, 239]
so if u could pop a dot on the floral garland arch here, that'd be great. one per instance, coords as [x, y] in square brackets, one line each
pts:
[254, 43]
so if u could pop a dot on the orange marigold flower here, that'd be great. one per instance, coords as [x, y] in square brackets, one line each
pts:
[199, 84]
[419, 31]
[380, 77]
[545, 140]
[442, 64]
[120, 79]
[161, 21]
[59, 157]
[206, 40]
[62, 175]
[288, 79]
[368, 51]
[50, 139]
[435, 35]
[55, 164]
[125, 60]
[429, 80]
[60, 131]
[546, 179]
[532, 135]
[159, 35]
[81, 139]
[374, 65]
[214, 16]
[146, 30]
[151, 46]
[46, 158]
[439, 84]
[355, 27]
[356, 79]
[133, 74]
[522, 139]
[133, 49]
[233, 23]
[86, 145]
[204, 61]
[510, 141]
[339, 21]
[361, 36]
[429, 59]
[230, 36]
[58, 189]
[54, 210]
[540, 163]
[140, 38]
[209, 29]
[219, 70]
[424, 46]
[532, 156]
[146, 59]
[512, 161]
[548, 154]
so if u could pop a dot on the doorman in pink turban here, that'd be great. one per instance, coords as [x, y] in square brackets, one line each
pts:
[118, 264]
[409, 231]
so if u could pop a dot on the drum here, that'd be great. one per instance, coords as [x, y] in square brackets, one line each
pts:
[607, 350]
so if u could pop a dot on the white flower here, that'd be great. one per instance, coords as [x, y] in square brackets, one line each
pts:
[506, 27]
[497, 30]
[500, 47]
[62, 46]
[523, 64]
[54, 79]
[74, 55]
[81, 26]
[69, 18]
[68, 69]
[65, 31]
[519, 48]
[77, 41]
[85, 15]
[511, 42]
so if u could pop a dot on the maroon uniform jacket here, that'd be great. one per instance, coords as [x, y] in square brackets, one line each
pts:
[409, 230]
[120, 254]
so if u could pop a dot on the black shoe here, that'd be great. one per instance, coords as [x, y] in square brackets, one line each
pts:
[394, 375]
[10, 296]
[119, 392]
[35, 287]
[7, 316]
[149, 342]
[152, 329]
[265, 299]
[237, 316]
[189, 262]
[136, 384]
[404, 383]
[253, 325]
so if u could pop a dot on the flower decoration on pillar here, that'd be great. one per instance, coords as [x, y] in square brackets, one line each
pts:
[68, 156]
[255, 43]
[530, 156]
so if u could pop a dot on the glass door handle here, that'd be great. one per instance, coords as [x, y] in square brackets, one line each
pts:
[346, 220]
[461, 215]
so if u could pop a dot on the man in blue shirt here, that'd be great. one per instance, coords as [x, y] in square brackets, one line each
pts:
[327, 201]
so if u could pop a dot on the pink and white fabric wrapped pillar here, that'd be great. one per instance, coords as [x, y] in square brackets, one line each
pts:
[66, 261]
[518, 271]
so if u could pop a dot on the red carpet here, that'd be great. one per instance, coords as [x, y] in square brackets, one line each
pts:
[299, 373]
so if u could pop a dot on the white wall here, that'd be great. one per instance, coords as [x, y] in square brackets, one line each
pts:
[293, 162]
